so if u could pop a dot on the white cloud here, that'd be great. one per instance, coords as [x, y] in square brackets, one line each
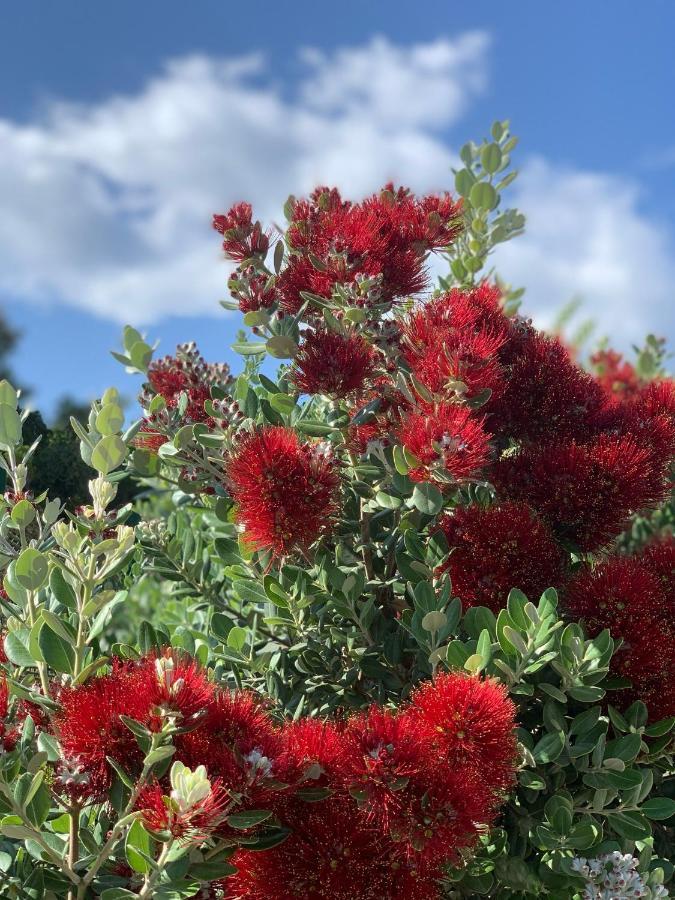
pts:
[586, 236]
[107, 207]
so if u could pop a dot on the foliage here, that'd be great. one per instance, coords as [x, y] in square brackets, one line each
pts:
[292, 667]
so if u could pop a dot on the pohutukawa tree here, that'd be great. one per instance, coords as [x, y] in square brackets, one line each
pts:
[394, 621]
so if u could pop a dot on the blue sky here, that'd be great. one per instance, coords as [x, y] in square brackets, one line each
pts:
[124, 126]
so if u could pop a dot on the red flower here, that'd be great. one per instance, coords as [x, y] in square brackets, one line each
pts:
[472, 721]
[384, 239]
[242, 237]
[546, 394]
[585, 492]
[89, 728]
[186, 373]
[285, 491]
[89, 724]
[332, 364]
[614, 374]
[659, 557]
[331, 855]
[149, 440]
[176, 684]
[252, 291]
[315, 749]
[499, 548]
[238, 743]
[626, 596]
[448, 441]
[456, 338]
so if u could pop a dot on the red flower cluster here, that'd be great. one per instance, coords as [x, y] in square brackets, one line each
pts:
[376, 248]
[403, 793]
[242, 238]
[333, 364]
[285, 491]
[409, 791]
[90, 728]
[451, 343]
[634, 597]
[448, 441]
[614, 374]
[187, 373]
[498, 548]
[586, 492]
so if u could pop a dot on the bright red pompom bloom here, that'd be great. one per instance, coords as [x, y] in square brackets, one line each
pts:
[448, 440]
[502, 547]
[315, 750]
[546, 394]
[332, 364]
[285, 491]
[586, 492]
[239, 744]
[331, 855]
[472, 721]
[149, 440]
[456, 338]
[242, 237]
[624, 595]
[253, 291]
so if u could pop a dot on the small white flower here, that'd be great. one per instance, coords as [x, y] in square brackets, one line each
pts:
[188, 788]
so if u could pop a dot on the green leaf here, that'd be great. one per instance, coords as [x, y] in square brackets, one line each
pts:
[249, 348]
[57, 653]
[110, 420]
[283, 403]
[16, 647]
[491, 158]
[31, 569]
[282, 347]
[108, 454]
[549, 748]
[10, 426]
[8, 394]
[138, 839]
[483, 196]
[61, 590]
[427, 498]
[659, 808]
[631, 825]
[242, 821]
[237, 638]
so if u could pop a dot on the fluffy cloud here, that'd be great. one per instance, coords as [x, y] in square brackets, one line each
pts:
[587, 237]
[107, 207]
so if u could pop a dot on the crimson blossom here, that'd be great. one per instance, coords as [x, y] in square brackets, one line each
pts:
[89, 724]
[376, 248]
[331, 363]
[331, 855]
[498, 548]
[627, 596]
[285, 491]
[8, 734]
[586, 492]
[449, 441]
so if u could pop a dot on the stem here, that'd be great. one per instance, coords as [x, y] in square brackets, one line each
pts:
[366, 549]
[151, 881]
[73, 842]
